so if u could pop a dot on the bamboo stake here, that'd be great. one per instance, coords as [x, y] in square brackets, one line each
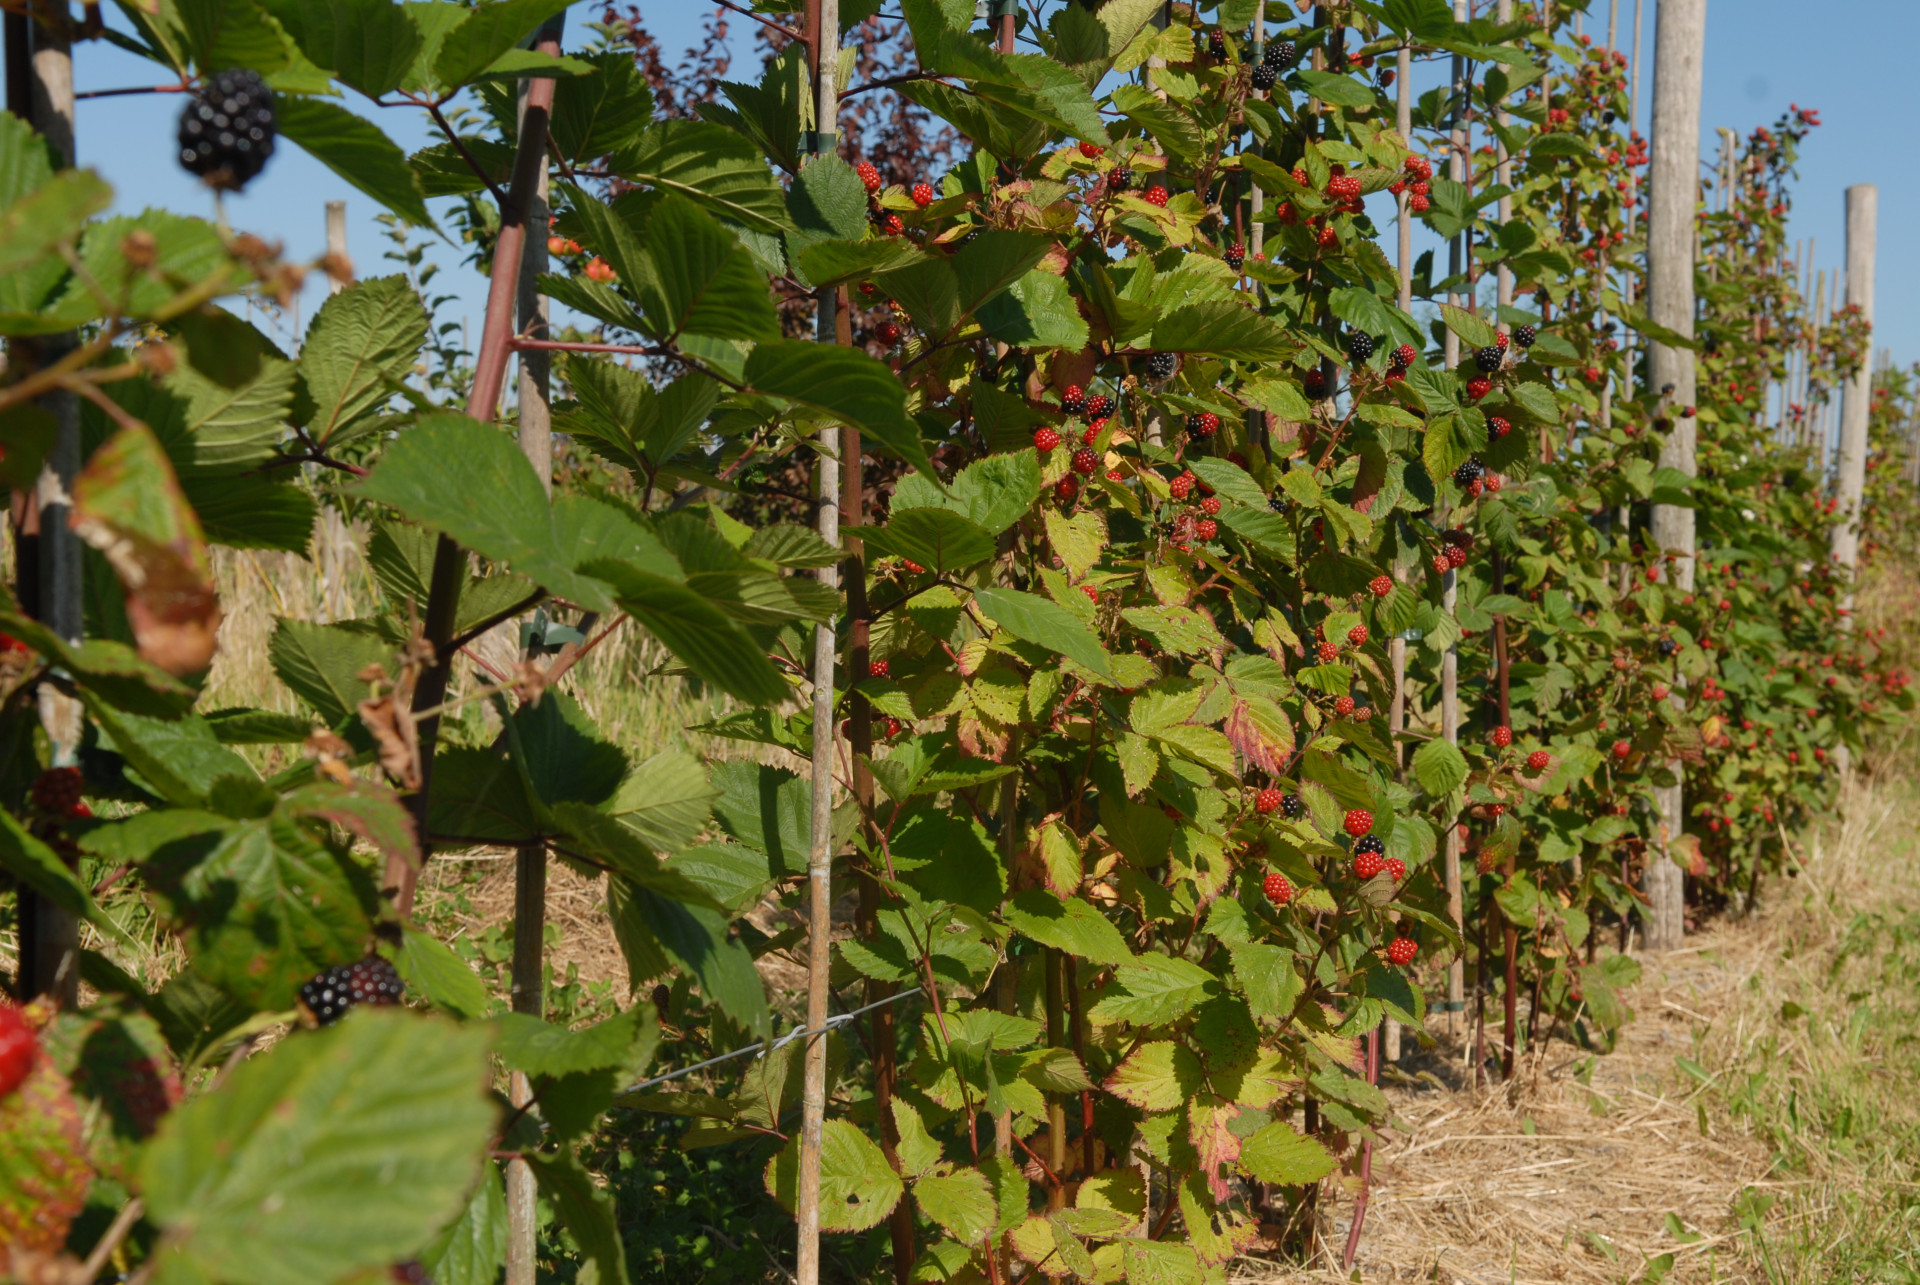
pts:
[1449, 593]
[823, 40]
[529, 861]
[1397, 645]
[337, 241]
[1680, 39]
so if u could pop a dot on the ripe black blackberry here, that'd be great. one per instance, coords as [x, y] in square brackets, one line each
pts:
[1359, 346]
[1278, 504]
[1668, 646]
[1120, 180]
[1161, 366]
[1265, 77]
[1524, 336]
[227, 128]
[1489, 359]
[1279, 54]
[1470, 472]
[331, 995]
[1098, 408]
[1293, 807]
[1369, 843]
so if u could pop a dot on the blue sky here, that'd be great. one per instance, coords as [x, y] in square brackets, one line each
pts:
[1851, 59]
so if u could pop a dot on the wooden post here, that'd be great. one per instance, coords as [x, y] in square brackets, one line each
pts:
[337, 241]
[534, 402]
[1679, 42]
[1633, 91]
[823, 39]
[1863, 203]
[40, 79]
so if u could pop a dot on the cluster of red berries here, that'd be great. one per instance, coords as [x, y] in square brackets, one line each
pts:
[57, 792]
[1416, 184]
[1457, 549]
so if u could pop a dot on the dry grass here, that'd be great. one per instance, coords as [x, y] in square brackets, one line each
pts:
[1720, 1101]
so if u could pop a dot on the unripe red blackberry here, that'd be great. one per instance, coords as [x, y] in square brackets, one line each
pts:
[878, 669]
[1092, 150]
[1045, 439]
[1397, 868]
[1478, 388]
[1457, 556]
[1622, 748]
[1357, 636]
[1539, 761]
[1120, 180]
[1210, 506]
[1403, 356]
[1358, 822]
[1498, 427]
[1276, 888]
[1266, 801]
[1524, 336]
[922, 194]
[1293, 807]
[887, 333]
[1343, 706]
[1202, 424]
[1501, 736]
[1328, 652]
[1314, 385]
[913, 566]
[893, 728]
[1489, 359]
[57, 791]
[1155, 195]
[1085, 461]
[1217, 43]
[1073, 400]
[1442, 564]
[1098, 407]
[1182, 486]
[227, 129]
[1380, 586]
[1066, 488]
[869, 176]
[1368, 864]
[1402, 950]
[1235, 256]
[1161, 366]
[331, 995]
[1419, 168]
[19, 1048]
[1359, 346]
[1206, 528]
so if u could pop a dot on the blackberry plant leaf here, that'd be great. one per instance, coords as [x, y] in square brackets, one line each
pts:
[342, 1149]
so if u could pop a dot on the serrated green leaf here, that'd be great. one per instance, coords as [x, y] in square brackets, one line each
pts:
[344, 1149]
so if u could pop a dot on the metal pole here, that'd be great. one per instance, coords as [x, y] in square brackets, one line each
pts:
[1679, 41]
[50, 937]
[823, 31]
